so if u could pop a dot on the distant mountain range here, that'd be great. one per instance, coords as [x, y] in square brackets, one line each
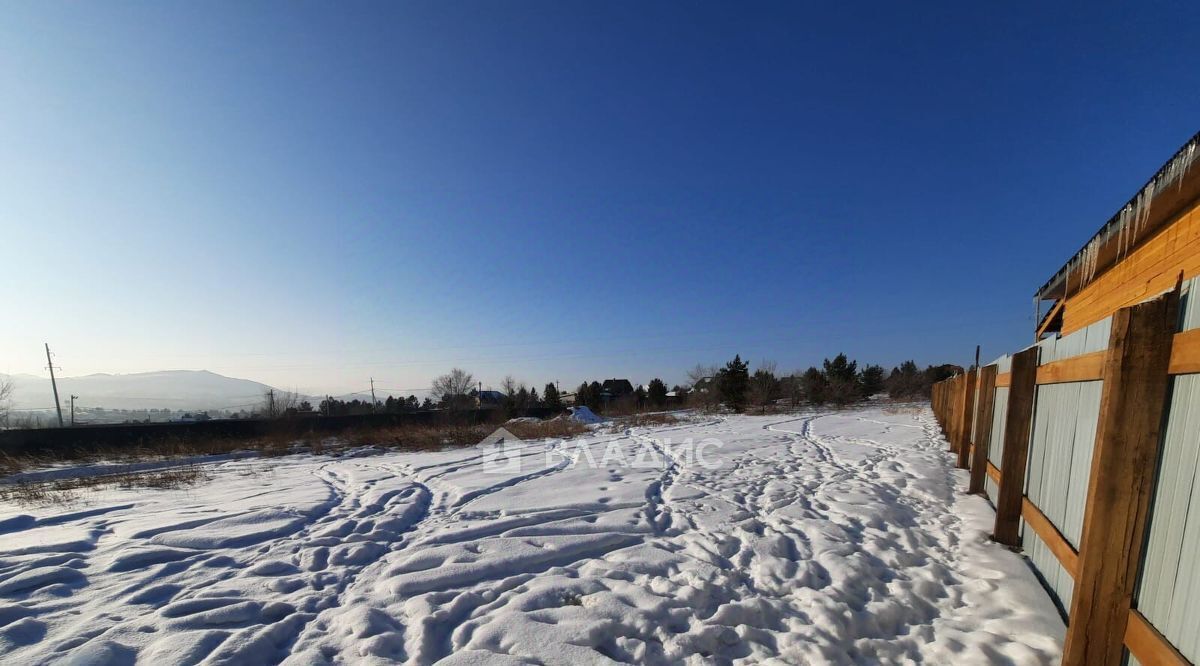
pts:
[172, 389]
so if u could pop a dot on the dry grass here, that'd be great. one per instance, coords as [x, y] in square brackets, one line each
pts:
[416, 438]
[650, 419]
[180, 457]
[69, 489]
[561, 428]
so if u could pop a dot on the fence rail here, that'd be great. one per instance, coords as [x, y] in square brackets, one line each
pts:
[1088, 446]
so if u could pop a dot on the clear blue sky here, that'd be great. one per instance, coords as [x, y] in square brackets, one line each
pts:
[310, 194]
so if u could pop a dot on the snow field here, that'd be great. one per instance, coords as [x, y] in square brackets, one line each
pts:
[827, 538]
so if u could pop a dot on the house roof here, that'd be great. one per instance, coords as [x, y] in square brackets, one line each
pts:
[1173, 187]
[617, 386]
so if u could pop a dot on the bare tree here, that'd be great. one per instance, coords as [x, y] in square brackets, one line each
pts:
[704, 390]
[277, 403]
[6, 391]
[509, 386]
[452, 388]
[794, 387]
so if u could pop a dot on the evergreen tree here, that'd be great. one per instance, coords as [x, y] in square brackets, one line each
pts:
[842, 377]
[815, 386]
[551, 397]
[764, 386]
[533, 396]
[906, 381]
[840, 369]
[583, 395]
[639, 397]
[596, 398]
[657, 392]
[870, 380]
[732, 381]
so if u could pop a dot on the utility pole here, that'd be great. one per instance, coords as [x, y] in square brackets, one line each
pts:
[73, 399]
[270, 403]
[373, 401]
[54, 385]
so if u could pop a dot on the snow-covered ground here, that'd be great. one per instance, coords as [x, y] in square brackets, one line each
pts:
[841, 538]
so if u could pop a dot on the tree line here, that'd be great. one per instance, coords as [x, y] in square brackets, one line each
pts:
[839, 381]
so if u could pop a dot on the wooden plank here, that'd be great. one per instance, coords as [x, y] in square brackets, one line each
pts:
[993, 473]
[1016, 447]
[1082, 368]
[1185, 352]
[1149, 269]
[1122, 477]
[983, 428]
[1003, 379]
[1149, 646]
[1063, 551]
[968, 414]
[1049, 318]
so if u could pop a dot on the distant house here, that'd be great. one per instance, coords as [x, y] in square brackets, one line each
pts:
[488, 399]
[616, 388]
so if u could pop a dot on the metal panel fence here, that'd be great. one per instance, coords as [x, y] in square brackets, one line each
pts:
[1168, 594]
[1074, 533]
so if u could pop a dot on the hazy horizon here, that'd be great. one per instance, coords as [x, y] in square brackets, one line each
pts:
[310, 195]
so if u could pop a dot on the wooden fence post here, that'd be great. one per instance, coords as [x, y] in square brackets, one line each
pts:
[1128, 439]
[968, 414]
[935, 398]
[1017, 425]
[983, 428]
[953, 405]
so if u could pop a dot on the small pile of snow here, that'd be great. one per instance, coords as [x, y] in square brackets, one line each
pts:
[524, 419]
[585, 415]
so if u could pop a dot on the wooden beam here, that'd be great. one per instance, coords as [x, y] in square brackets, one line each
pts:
[983, 428]
[1063, 551]
[993, 473]
[968, 414]
[1149, 646]
[1016, 447]
[1049, 318]
[1082, 368]
[953, 406]
[1185, 351]
[1003, 379]
[1121, 483]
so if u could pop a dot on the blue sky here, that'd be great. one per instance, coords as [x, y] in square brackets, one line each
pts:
[311, 194]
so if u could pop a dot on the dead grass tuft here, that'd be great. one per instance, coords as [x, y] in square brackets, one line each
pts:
[650, 419]
[553, 429]
[68, 490]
